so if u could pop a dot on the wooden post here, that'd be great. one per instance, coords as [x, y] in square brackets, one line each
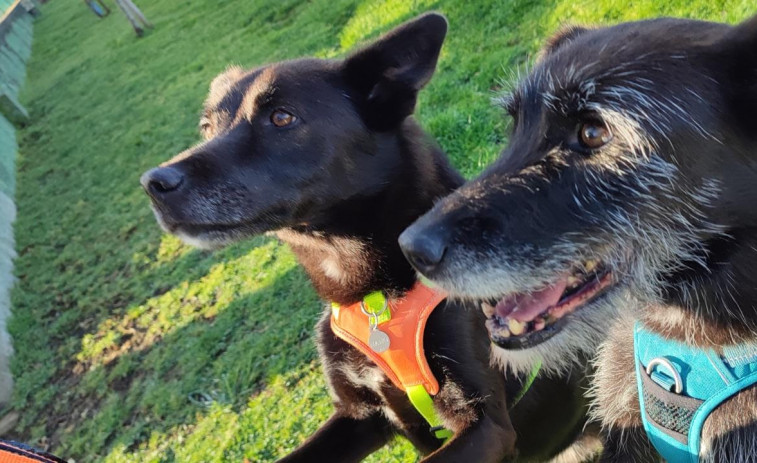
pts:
[31, 6]
[135, 16]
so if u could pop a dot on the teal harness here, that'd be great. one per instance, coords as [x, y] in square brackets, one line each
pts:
[680, 385]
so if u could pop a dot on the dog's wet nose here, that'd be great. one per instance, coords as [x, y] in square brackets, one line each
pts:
[424, 250]
[161, 180]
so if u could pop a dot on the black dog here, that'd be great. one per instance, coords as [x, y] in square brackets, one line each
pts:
[325, 154]
[629, 183]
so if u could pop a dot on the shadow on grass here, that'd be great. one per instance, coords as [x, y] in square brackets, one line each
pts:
[225, 358]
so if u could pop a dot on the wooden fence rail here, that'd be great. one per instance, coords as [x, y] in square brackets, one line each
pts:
[15, 49]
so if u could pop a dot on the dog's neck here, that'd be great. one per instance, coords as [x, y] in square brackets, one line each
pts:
[356, 251]
[716, 306]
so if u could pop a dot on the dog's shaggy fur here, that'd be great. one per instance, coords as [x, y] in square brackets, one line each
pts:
[345, 172]
[634, 146]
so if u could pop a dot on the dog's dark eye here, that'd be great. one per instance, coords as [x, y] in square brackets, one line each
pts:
[281, 118]
[594, 135]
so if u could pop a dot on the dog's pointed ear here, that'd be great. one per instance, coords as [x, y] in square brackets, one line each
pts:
[565, 35]
[739, 49]
[222, 83]
[743, 40]
[387, 75]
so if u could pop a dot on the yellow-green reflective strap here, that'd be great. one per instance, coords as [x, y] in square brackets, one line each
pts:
[422, 402]
[527, 384]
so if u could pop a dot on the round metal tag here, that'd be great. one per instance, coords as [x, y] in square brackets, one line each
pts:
[379, 341]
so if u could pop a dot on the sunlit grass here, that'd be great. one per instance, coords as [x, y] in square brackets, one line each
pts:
[133, 347]
[377, 16]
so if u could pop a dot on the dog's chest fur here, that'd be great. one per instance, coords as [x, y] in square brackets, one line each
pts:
[336, 265]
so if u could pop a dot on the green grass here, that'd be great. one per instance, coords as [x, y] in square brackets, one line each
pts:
[133, 347]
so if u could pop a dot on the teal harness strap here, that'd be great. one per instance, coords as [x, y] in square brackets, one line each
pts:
[680, 385]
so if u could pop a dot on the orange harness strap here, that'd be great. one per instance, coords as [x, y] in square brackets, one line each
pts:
[14, 452]
[404, 362]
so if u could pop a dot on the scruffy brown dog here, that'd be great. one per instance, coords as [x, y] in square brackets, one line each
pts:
[629, 183]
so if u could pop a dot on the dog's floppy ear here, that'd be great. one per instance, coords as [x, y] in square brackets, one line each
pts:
[563, 36]
[387, 75]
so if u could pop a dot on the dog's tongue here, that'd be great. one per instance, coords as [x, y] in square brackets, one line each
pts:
[525, 307]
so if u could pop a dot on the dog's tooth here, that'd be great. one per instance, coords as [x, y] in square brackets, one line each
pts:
[591, 265]
[503, 332]
[539, 324]
[516, 328]
[488, 309]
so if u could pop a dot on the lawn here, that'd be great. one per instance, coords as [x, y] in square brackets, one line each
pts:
[133, 347]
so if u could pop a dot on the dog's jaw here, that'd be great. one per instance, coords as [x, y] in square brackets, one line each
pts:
[207, 236]
[572, 346]
[206, 240]
[201, 242]
[195, 241]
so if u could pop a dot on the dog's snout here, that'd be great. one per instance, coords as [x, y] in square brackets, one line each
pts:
[161, 180]
[424, 249]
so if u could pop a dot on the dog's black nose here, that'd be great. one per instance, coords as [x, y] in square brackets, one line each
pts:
[423, 249]
[161, 180]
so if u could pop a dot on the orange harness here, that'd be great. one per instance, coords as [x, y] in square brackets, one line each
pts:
[404, 361]
[15, 452]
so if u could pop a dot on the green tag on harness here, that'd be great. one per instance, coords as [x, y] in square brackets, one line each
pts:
[376, 303]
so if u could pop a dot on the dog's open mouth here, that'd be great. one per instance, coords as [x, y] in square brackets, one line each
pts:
[523, 320]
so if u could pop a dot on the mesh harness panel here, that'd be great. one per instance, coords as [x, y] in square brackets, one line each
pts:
[673, 419]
